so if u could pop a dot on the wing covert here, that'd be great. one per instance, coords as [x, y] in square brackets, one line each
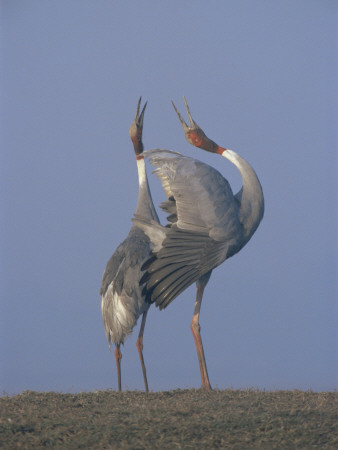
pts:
[206, 230]
[203, 198]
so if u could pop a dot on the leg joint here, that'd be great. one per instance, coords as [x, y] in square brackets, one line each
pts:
[195, 326]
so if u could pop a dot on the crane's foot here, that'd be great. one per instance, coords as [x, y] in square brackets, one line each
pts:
[206, 386]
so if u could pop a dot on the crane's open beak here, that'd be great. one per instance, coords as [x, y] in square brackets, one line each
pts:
[194, 133]
[193, 124]
[139, 118]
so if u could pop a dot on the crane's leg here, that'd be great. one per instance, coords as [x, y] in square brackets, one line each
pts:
[139, 345]
[118, 357]
[195, 328]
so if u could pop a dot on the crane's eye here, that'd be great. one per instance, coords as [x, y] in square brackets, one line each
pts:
[194, 139]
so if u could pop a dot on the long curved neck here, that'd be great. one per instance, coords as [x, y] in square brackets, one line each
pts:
[250, 197]
[145, 206]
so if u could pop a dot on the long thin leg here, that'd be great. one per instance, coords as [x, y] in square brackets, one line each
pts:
[118, 357]
[195, 328]
[139, 345]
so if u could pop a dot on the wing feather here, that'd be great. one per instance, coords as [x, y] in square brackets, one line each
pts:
[205, 232]
[203, 197]
[182, 260]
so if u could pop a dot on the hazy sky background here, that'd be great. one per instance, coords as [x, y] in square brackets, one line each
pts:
[260, 78]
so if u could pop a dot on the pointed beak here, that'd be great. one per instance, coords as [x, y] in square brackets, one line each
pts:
[194, 133]
[184, 125]
[192, 124]
[139, 118]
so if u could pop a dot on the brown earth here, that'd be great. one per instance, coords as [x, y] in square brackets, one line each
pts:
[183, 419]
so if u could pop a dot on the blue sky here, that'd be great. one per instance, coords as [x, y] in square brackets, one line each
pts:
[260, 78]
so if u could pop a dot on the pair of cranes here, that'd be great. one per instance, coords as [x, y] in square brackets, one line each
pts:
[207, 224]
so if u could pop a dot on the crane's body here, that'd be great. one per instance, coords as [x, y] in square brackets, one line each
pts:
[208, 224]
[122, 300]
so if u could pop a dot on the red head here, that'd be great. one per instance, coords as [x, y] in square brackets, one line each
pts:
[135, 130]
[195, 135]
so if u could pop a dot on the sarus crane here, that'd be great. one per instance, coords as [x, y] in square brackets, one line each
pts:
[208, 224]
[122, 300]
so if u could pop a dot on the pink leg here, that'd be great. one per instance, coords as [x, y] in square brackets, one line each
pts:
[195, 328]
[118, 357]
[139, 345]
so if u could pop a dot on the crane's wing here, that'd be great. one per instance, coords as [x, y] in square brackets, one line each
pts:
[206, 231]
[202, 197]
[123, 270]
[122, 301]
[183, 259]
[169, 206]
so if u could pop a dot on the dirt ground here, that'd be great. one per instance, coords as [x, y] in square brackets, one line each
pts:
[183, 419]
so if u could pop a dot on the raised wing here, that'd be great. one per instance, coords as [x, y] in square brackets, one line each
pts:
[203, 197]
[183, 259]
[206, 230]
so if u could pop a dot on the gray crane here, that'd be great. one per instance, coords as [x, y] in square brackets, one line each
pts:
[208, 224]
[122, 300]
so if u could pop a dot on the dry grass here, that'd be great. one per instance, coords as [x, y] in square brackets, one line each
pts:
[184, 419]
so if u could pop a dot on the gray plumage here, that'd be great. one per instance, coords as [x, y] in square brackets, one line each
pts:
[207, 224]
[122, 300]
[210, 228]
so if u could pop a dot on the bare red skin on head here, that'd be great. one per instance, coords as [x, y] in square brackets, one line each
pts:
[200, 140]
[194, 139]
[136, 139]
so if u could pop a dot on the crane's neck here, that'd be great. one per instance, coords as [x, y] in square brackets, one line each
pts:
[250, 197]
[145, 205]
